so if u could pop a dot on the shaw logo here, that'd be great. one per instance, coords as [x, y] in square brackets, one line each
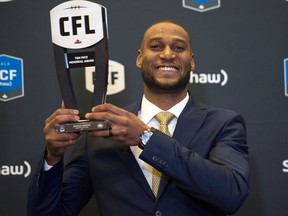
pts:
[11, 78]
[14, 170]
[285, 166]
[201, 5]
[221, 78]
[286, 76]
[116, 78]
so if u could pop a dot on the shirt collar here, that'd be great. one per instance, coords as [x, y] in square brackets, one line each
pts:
[149, 110]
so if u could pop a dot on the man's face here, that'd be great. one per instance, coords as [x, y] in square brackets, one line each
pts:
[165, 57]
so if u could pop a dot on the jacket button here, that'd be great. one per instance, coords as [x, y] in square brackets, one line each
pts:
[158, 213]
[155, 158]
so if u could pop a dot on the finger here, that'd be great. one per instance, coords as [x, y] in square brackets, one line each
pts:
[62, 115]
[60, 143]
[110, 132]
[57, 148]
[108, 108]
[112, 118]
[56, 141]
[103, 133]
[108, 112]
[51, 124]
[52, 135]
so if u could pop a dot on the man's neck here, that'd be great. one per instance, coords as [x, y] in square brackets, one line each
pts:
[165, 100]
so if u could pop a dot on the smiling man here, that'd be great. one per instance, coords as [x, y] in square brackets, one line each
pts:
[166, 58]
[164, 155]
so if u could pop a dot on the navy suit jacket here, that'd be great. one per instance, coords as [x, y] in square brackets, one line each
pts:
[204, 165]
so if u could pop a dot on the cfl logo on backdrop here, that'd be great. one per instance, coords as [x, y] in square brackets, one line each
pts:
[286, 76]
[116, 78]
[11, 78]
[16, 170]
[201, 5]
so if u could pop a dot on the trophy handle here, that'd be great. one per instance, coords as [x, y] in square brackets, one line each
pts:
[100, 78]
[64, 78]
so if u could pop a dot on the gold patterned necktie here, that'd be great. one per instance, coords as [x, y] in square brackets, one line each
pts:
[163, 118]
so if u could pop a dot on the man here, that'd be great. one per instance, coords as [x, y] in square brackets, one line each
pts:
[202, 157]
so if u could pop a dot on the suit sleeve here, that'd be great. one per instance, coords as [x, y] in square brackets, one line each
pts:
[60, 191]
[45, 191]
[219, 176]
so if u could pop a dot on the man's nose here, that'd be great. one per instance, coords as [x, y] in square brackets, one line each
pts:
[167, 53]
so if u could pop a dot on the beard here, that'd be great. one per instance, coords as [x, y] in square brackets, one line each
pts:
[177, 86]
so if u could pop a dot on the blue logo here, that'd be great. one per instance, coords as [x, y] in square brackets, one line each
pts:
[201, 1]
[11, 78]
[286, 76]
[201, 5]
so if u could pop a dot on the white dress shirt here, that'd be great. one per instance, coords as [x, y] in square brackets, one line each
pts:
[146, 114]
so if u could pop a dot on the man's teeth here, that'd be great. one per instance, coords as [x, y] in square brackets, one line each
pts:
[167, 68]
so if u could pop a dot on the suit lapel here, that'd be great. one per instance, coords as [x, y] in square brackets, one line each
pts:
[129, 160]
[189, 122]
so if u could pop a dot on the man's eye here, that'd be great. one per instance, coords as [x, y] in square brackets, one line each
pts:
[178, 48]
[156, 47]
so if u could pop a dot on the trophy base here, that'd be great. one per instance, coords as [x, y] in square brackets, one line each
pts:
[82, 126]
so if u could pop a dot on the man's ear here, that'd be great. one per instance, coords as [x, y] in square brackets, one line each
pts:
[139, 59]
[192, 62]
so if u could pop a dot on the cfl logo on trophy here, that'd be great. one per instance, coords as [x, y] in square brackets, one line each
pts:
[74, 24]
[11, 78]
[286, 76]
[201, 5]
[116, 78]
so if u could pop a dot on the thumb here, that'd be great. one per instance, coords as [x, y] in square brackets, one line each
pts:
[63, 104]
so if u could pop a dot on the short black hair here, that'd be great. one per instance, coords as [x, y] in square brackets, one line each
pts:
[168, 20]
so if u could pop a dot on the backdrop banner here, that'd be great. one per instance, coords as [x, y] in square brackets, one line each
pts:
[241, 54]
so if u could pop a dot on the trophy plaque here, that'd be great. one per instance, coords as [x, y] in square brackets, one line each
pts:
[80, 39]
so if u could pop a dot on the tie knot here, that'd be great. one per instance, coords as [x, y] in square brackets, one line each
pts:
[164, 117]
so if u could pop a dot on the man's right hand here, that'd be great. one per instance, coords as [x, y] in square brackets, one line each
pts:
[57, 143]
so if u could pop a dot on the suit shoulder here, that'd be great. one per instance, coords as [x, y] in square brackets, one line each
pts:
[219, 111]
